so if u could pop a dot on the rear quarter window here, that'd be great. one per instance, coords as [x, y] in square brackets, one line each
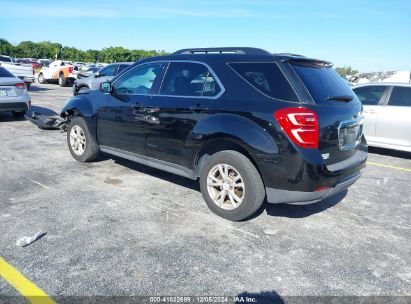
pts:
[322, 82]
[400, 96]
[267, 78]
[5, 73]
[370, 95]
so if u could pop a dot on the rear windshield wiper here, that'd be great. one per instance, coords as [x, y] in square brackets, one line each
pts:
[345, 98]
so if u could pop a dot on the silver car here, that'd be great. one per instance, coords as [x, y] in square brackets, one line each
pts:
[387, 112]
[105, 74]
[13, 94]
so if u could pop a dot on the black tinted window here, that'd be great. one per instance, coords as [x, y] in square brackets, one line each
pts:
[108, 70]
[370, 95]
[322, 82]
[266, 78]
[400, 96]
[5, 73]
[189, 79]
[138, 80]
[121, 68]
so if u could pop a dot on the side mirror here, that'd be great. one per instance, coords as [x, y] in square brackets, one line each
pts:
[106, 87]
[97, 75]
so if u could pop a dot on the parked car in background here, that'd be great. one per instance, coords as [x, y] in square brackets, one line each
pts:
[251, 125]
[87, 71]
[35, 64]
[13, 93]
[387, 112]
[59, 71]
[23, 71]
[93, 81]
[44, 62]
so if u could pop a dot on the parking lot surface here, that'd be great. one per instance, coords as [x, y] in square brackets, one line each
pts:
[119, 228]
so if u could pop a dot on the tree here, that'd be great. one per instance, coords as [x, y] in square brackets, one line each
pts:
[49, 50]
[6, 48]
[345, 71]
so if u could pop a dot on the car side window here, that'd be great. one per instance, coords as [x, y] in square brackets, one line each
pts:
[189, 79]
[121, 68]
[108, 71]
[370, 95]
[400, 96]
[138, 80]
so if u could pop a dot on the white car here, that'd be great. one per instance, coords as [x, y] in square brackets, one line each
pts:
[23, 71]
[60, 71]
[387, 113]
[13, 94]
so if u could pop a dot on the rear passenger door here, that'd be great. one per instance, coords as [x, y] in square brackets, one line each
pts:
[393, 125]
[372, 97]
[188, 90]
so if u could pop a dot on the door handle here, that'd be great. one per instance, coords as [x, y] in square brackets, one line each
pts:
[370, 111]
[137, 105]
[198, 108]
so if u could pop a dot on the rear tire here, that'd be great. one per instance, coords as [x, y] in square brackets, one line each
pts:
[82, 145]
[62, 80]
[41, 79]
[231, 185]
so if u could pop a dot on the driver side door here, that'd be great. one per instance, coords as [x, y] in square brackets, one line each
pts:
[121, 119]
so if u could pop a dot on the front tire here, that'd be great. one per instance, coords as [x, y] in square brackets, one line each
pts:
[231, 185]
[82, 145]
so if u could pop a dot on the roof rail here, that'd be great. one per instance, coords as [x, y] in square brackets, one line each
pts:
[289, 54]
[224, 50]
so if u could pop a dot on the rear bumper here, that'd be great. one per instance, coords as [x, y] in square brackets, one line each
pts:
[14, 106]
[277, 196]
[27, 79]
[18, 104]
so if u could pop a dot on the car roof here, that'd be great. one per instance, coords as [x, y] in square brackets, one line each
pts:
[395, 84]
[232, 54]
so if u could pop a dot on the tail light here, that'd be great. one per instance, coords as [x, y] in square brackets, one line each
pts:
[20, 85]
[301, 126]
[70, 69]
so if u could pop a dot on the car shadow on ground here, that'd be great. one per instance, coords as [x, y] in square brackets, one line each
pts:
[170, 177]
[300, 211]
[9, 117]
[38, 89]
[389, 152]
[263, 297]
[282, 210]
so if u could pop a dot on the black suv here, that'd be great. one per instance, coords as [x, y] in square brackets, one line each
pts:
[251, 125]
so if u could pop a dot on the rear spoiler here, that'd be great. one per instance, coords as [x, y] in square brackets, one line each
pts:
[309, 62]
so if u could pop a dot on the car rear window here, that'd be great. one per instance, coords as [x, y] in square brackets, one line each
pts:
[267, 78]
[5, 59]
[5, 73]
[322, 82]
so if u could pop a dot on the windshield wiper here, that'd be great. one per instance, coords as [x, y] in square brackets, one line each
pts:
[345, 98]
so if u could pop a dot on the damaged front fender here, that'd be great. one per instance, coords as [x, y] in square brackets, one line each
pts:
[77, 105]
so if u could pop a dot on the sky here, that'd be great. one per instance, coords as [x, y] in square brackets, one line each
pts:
[368, 35]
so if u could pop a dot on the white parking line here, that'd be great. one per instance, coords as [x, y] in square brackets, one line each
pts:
[44, 186]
